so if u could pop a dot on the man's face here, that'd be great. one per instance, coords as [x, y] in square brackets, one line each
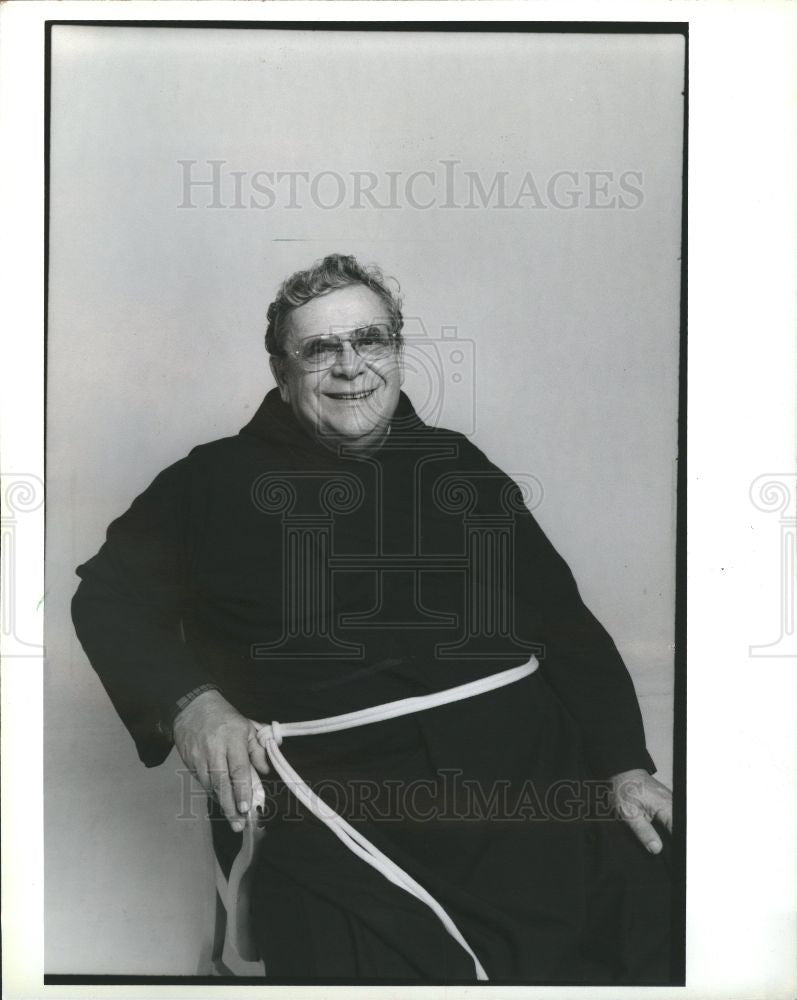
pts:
[352, 401]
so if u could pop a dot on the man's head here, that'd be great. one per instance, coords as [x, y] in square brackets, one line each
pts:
[334, 336]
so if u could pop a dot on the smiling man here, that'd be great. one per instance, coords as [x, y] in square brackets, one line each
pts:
[336, 359]
[487, 807]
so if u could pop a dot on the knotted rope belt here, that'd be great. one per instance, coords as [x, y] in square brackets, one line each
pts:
[271, 736]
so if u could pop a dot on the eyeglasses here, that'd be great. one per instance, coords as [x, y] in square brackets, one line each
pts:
[371, 343]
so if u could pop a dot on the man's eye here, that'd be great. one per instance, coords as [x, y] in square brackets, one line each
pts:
[373, 336]
[319, 348]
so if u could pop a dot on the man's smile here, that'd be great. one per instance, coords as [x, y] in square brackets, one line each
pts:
[364, 394]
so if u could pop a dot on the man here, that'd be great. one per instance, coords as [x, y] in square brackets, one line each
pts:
[339, 555]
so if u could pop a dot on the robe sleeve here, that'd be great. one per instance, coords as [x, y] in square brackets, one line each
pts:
[127, 612]
[580, 660]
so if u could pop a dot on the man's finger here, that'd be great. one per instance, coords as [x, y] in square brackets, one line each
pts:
[222, 788]
[645, 833]
[257, 755]
[200, 772]
[258, 792]
[664, 814]
[240, 773]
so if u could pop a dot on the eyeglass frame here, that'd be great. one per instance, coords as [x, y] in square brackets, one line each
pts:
[394, 338]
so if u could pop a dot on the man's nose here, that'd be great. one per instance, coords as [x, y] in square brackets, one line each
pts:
[348, 362]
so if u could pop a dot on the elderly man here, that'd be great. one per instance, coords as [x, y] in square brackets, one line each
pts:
[339, 560]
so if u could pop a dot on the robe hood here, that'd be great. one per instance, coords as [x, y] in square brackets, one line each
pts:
[275, 424]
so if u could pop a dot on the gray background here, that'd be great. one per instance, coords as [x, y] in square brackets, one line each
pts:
[567, 318]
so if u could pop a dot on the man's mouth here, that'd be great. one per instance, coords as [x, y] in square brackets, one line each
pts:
[351, 395]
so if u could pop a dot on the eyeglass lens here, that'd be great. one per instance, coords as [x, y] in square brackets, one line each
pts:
[371, 343]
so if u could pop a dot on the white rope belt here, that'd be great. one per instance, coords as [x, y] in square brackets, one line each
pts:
[271, 736]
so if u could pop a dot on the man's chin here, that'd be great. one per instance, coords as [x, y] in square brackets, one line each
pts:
[353, 435]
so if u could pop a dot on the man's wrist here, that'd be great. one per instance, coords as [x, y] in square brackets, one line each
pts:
[166, 725]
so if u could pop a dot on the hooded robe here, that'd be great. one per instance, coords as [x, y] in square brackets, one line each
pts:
[304, 583]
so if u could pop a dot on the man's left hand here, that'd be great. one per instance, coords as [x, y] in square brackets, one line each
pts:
[639, 799]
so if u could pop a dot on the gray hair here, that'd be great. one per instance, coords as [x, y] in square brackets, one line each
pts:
[334, 271]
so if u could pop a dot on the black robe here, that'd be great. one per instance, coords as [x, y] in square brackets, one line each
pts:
[306, 583]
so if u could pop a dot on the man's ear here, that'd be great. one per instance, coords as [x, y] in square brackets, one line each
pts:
[279, 376]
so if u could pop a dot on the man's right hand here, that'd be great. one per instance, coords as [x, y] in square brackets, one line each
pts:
[220, 747]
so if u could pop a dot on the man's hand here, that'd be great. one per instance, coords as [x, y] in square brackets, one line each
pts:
[220, 747]
[639, 799]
